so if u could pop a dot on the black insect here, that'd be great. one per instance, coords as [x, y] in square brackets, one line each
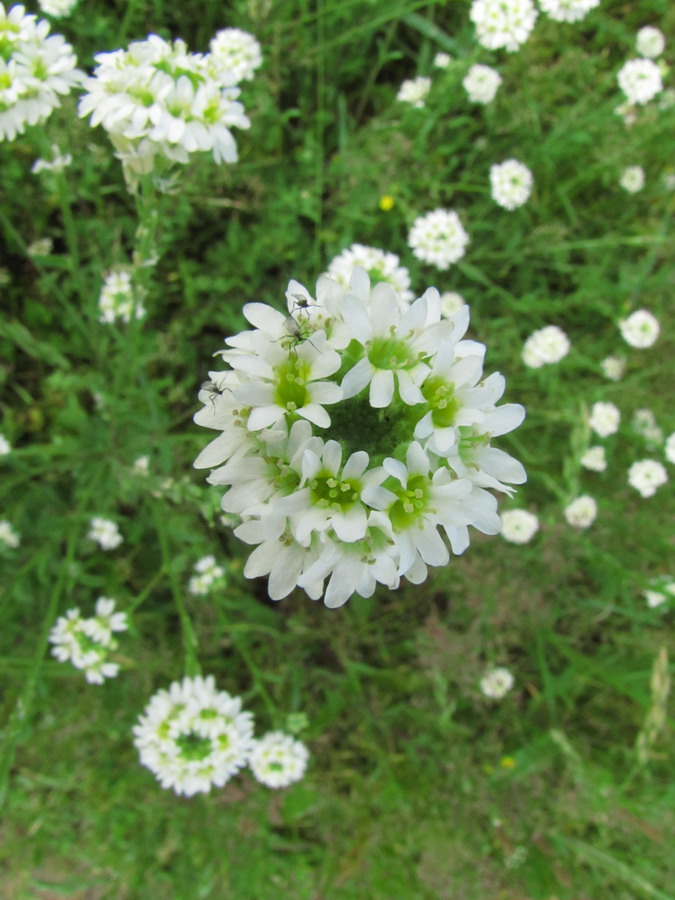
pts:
[215, 390]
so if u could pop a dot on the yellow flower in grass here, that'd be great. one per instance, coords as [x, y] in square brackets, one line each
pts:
[386, 202]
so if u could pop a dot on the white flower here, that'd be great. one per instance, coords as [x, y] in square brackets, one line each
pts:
[208, 573]
[650, 42]
[670, 448]
[277, 760]
[594, 459]
[481, 83]
[546, 346]
[451, 303]
[510, 183]
[442, 60]
[36, 70]
[613, 367]
[604, 419]
[644, 423]
[519, 526]
[567, 10]
[141, 465]
[40, 247]
[496, 683]
[438, 238]
[105, 533]
[646, 476]
[57, 9]
[58, 163]
[235, 54]
[379, 265]
[117, 301]
[661, 590]
[5, 446]
[640, 80]
[414, 90]
[88, 642]
[632, 179]
[503, 23]
[193, 737]
[581, 513]
[640, 329]
[8, 535]
[351, 432]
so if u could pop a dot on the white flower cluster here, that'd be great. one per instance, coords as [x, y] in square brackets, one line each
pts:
[661, 590]
[116, 300]
[519, 526]
[57, 163]
[510, 184]
[356, 497]
[36, 69]
[57, 9]
[379, 265]
[415, 91]
[650, 42]
[632, 179]
[640, 329]
[647, 476]
[604, 419]
[208, 573]
[442, 60]
[194, 737]
[481, 83]
[594, 459]
[438, 238]
[235, 55]
[451, 303]
[105, 532]
[503, 23]
[640, 80]
[567, 10]
[545, 346]
[613, 367]
[8, 536]
[581, 513]
[158, 100]
[496, 683]
[87, 643]
[278, 760]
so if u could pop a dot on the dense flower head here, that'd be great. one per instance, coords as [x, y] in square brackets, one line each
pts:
[352, 429]
[481, 83]
[640, 80]
[496, 683]
[650, 42]
[442, 60]
[57, 9]
[8, 536]
[503, 23]
[510, 183]
[159, 101]
[451, 303]
[117, 298]
[632, 179]
[88, 642]
[235, 55]
[567, 10]
[613, 367]
[207, 574]
[581, 513]
[545, 346]
[604, 419]
[36, 70]
[647, 476]
[640, 329]
[414, 91]
[379, 265]
[105, 532]
[594, 459]
[519, 526]
[278, 760]
[438, 238]
[194, 737]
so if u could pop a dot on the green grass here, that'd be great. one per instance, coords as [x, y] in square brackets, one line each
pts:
[418, 786]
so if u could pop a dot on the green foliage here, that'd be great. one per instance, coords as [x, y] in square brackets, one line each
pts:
[418, 786]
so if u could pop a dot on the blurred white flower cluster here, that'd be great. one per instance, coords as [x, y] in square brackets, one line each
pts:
[640, 80]
[36, 70]
[87, 643]
[650, 42]
[8, 536]
[415, 91]
[481, 83]
[496, 683]
[207, 574]
[57, 9]
[519, 526]
[632, 179]
[57, 163]
[567, 10]
[105, 532]
[438, 238]
[159, 101]
[503, 24]
[379, 265]
[357, 496]
[545, 346]
[640, 329]
[116, 300]
[194, 737]
[510, 183]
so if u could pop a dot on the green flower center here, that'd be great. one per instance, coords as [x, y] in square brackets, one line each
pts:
[193, 747]
[291, 392]
[391, 353]
[440, 395]
[411, 503]
[328, 491]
